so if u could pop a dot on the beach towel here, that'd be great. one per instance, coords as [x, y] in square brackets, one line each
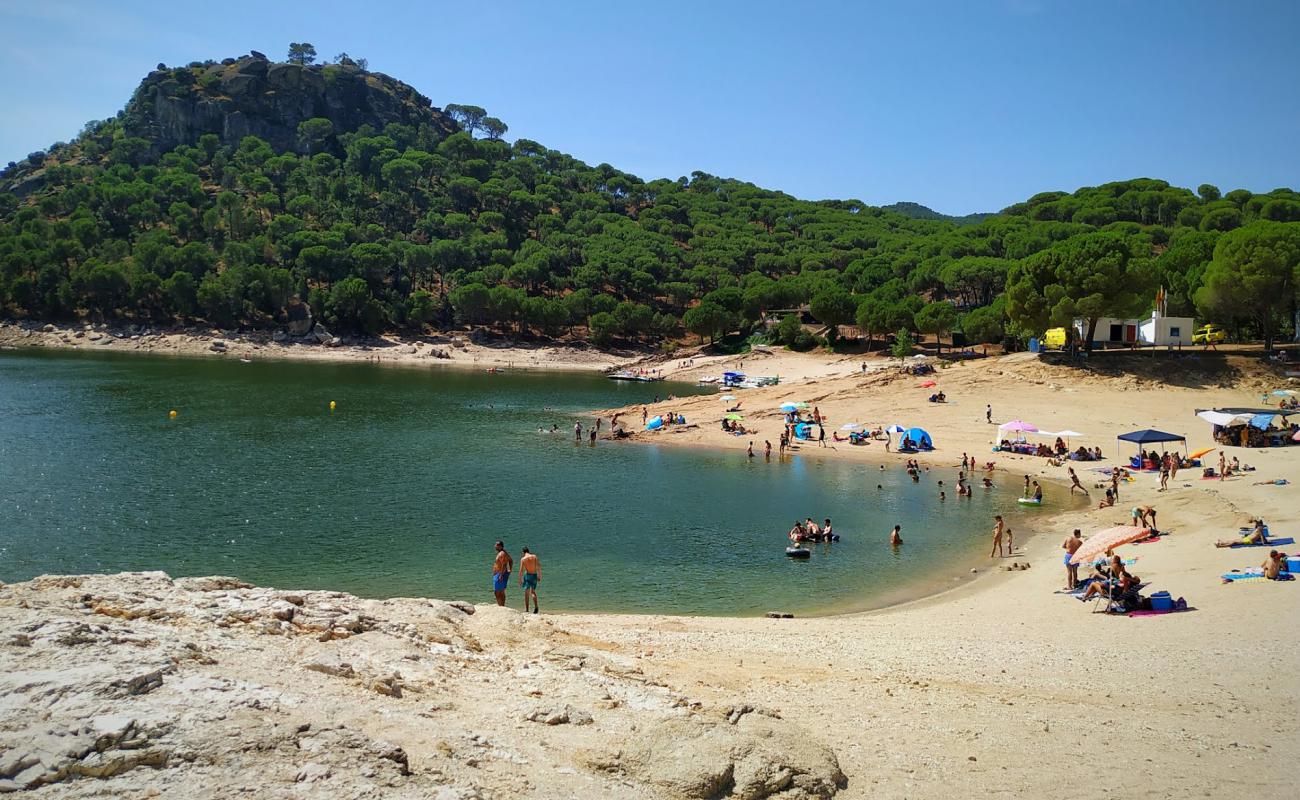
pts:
[1152, 613]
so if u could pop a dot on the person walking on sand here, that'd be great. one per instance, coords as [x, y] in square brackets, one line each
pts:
[530, 572]
[1011, 542]
[894, 539]
[1114, 484]
[1164, 473]
[502, 566]
[1074, 483]
[988, 413]
[1071, 546]
[1223, 464]
[997, 536]
[645, 413]
[821, 436]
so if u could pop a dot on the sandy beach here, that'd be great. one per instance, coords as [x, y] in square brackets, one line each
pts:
[998, 687]
[450, 350]
[1003, 686]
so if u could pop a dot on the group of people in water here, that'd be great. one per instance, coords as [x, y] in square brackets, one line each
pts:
[808, 530]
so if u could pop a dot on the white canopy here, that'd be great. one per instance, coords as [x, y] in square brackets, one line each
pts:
[1222, 418]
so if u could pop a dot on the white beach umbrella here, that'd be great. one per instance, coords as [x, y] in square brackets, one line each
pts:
[895, 428]
[850, 426]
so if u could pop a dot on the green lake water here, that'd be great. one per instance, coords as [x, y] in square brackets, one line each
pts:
[403, 489]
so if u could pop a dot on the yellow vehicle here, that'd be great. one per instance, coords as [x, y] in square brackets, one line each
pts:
[1209, 334]
[1054, 339]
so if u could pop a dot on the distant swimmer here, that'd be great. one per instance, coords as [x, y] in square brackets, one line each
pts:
[530, 572]
[894, 539]
[502, 566]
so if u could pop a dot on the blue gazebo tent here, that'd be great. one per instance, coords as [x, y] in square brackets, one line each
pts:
[1149, 436]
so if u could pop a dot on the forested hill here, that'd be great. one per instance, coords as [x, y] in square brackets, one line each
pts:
[232, 192]
[918, 211]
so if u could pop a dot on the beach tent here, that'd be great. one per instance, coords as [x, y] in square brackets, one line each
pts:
[1223, 419]
[1148, 436]
[922, 439]
[803, 430]
[654, 424]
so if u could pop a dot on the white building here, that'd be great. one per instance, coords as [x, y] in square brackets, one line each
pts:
[1156, 330]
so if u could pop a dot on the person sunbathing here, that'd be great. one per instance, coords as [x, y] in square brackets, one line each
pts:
[1257, 535]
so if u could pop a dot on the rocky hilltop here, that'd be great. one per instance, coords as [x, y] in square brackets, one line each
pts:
[253, 96]
[137, 685]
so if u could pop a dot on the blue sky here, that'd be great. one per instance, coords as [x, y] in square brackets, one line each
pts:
[962, 106]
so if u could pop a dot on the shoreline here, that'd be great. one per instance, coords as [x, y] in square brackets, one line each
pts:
[453, 350]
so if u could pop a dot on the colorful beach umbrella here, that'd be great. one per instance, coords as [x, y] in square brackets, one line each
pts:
[1018, 425]
[1284, 393]
[895, 428]
[1108, 539]
[1200, 453]
[734, 417]
[789, 408]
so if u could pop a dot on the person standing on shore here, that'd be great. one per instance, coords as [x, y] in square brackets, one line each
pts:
[1071, 546]
[530, 572]
[1223, 464]
[1114, 484]
[749, 453]
[502, 566]
[821, 435]
[645, 413]
[988, 413]
[767, 449]
[997, 536]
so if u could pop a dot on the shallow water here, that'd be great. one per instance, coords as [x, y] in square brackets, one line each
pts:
[405, 486]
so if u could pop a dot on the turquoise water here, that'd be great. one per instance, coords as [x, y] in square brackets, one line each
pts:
[404, 488]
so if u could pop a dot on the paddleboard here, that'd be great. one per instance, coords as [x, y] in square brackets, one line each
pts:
[1028, 501]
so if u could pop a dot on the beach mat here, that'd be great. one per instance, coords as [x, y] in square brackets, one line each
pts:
[1270, 543]
[1153, 613]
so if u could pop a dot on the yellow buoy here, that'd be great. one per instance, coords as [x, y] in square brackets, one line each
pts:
[332, 405]
[172, 413]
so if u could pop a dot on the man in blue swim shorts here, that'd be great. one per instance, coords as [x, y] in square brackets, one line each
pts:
[530, 573]
[1071, 546]
[501, 569]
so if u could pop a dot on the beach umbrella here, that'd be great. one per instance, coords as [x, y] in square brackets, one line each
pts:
[1107, 539]
[1200, 453]
[1284, 393]
[789, 408]
[1018, 425]
[850, 426]
[734, 417]
[895, 428]
[728, 397]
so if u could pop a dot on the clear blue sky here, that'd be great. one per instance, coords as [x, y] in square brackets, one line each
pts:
[962, 106]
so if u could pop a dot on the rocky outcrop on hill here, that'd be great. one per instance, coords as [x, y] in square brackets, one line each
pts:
[137, 685]
[252, 96]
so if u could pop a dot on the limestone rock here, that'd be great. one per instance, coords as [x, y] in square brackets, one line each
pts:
[757, 758]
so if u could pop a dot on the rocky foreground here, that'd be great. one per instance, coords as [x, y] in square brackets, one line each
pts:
[138, 685]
